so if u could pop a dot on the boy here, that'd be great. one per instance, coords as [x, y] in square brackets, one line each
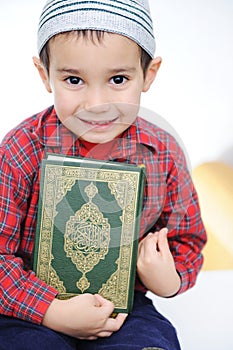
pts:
[96, 57]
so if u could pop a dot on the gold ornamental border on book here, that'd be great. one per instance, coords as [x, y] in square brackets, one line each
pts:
[59, 179]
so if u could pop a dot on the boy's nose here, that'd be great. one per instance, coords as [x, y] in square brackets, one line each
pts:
[98, 108]
[96, 101]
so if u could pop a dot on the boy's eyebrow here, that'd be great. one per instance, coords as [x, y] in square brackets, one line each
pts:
[126, 69]
[68, 70]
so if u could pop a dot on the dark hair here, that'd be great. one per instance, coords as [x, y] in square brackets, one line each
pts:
[93, 35]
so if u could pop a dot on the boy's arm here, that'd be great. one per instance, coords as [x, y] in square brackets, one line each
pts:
[174, 259]
[22, 295]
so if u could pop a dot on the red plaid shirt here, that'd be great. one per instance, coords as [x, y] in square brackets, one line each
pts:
[170, 200]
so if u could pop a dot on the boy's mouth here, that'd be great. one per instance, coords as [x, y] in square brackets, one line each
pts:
[98, 123]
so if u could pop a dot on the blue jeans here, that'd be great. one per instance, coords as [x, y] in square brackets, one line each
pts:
[145, 327]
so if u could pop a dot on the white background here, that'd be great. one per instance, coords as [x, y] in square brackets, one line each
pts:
[193, 90]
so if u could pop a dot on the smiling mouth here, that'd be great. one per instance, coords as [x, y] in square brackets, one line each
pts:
[98, 123]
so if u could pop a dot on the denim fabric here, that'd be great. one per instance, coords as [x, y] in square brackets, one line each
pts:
[145, 328]
[20, 335]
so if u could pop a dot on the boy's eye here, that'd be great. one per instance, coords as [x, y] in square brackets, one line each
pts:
[118, 79]
[74, 80]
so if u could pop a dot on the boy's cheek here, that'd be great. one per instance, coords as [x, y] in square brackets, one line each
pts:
[129, 110]
[64, 105]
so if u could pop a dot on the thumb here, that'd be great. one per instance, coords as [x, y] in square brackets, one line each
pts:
[102, 302]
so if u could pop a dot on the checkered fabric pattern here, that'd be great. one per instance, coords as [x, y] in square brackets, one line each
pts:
[170, 200]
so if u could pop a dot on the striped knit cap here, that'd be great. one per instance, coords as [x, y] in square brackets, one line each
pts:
[130, 18]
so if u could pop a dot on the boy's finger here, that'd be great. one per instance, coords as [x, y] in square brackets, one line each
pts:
[114, 324]
[162, 240]
[103, 302]
[149, 244]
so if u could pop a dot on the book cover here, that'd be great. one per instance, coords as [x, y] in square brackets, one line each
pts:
[88, 227]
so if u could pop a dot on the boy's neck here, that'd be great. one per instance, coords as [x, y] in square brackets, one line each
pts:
[98, 150]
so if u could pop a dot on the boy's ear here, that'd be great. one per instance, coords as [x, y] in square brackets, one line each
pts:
[43, 73]
[151, 73]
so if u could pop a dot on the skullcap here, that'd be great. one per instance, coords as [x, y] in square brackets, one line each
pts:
[130, 18]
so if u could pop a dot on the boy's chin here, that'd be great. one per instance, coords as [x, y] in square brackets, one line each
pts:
[100, 137]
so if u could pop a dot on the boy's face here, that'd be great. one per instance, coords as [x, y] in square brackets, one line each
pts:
[96, 85]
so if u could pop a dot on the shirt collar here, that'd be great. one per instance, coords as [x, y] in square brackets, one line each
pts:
[53, 133]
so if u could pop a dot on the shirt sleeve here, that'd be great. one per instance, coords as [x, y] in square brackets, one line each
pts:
[181, 215]
[22, 294]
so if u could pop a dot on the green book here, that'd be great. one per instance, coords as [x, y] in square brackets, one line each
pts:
[88, 227]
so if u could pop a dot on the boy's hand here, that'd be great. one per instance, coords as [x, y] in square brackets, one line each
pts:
[155, 265]
[85, 317]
